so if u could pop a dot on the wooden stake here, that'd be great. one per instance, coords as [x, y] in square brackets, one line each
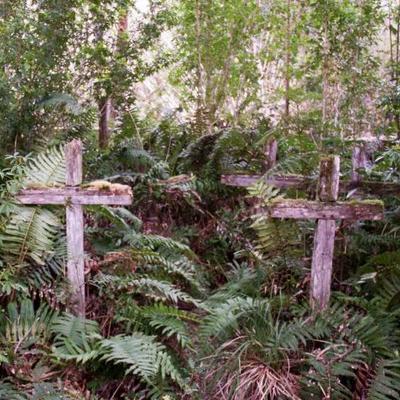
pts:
[270, 151]
[360, 159]
[76, 264]
[321, 267]
[74, 218]
[324, 239]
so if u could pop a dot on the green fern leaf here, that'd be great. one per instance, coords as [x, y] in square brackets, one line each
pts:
[47, 168]
[30, 233]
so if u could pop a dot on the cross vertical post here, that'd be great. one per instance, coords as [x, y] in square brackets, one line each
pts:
[324, 239]
[74, 219]
[360, 159]
[270, 151]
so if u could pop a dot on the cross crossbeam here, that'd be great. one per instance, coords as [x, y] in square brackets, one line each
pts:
[73, 197]
[305, 182]
[361, 159]
[302, 209]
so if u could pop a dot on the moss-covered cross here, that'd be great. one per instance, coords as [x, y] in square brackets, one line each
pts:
[73, 196]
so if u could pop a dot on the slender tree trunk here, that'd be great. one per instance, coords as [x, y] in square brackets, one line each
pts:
[325, 75]
[325, 70]
[200, 109]
[397, 44]
[105, 114]
[396, 66]
[391, 44]
[288, 59]
[106, 104]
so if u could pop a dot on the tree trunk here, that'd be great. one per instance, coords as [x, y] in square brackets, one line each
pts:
[325, 70]
[200, 107]
[288, 59]
[105, 113]
[106, 104]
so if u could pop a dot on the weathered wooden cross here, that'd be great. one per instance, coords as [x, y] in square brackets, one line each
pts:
[326, 210]
[360, 160]
[73, 197]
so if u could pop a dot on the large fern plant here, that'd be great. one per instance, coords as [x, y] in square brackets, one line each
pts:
[261, 340]
[150, 282]
[30, 232]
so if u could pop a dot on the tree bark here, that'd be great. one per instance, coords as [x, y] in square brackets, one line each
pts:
[104, 129]
[288, 59]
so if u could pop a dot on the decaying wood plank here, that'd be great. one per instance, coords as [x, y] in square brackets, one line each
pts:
[324, 239]
[279, 181]
[371, 187]
[72, 195]
[321, 268]
[303, 209]
[270, 151]
[328, 183]
[360, 160]
[74, 220]
[73, 162]
[75, 267]
[305, 183]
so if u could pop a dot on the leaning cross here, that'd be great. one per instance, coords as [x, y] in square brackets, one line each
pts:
[74, 197]
[360, 161]
[325, 211]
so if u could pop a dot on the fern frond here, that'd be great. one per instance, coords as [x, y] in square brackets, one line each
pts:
[25, 326]
[273, 236]
[47, 168]
[153, 262]
[61, 99]
[223, 319]
[76, 338]
[142, 354]
[159, 243]
[152, 288]
[73, 327]
[30, 233]
[121, 217]
[385, 384]
[9, 392]
[170, 321]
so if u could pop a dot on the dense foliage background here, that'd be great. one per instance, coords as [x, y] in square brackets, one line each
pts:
[190, 294]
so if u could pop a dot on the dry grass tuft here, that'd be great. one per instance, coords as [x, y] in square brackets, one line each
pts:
[257, 381]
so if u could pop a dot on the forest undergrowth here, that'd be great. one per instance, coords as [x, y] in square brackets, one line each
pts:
[191, 294]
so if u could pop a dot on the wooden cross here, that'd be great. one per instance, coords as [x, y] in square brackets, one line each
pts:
[326, 210]
[74, 197]
[360, 160]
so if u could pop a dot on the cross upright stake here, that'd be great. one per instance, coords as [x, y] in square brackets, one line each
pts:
[270, 151]
[360, 160]
[74, 219]
[324, 239]
[73, 197]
